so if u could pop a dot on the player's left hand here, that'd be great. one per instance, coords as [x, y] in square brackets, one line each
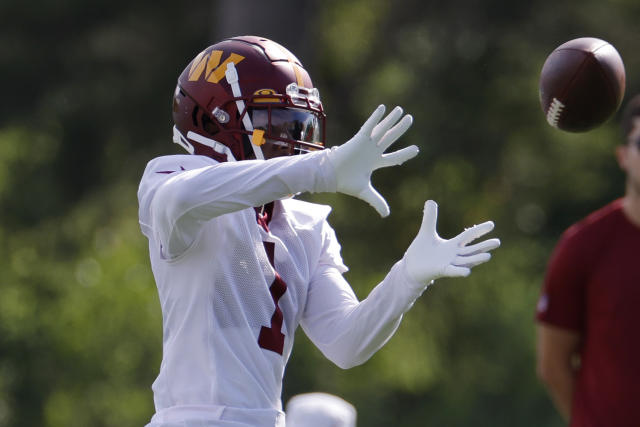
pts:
[356, 159]
[429, 256]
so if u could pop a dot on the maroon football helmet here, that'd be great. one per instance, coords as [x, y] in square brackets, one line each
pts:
[241, 93]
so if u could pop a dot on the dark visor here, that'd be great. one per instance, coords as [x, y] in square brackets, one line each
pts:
[288, 124]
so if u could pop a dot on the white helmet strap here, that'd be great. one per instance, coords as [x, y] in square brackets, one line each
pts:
[232, 79]
[218, 147]
[179, 139]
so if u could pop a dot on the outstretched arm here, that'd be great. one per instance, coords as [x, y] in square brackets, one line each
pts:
[349, 332]
[181, 199]
[178, 194]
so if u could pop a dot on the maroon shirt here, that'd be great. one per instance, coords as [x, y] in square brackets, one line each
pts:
[593, 287]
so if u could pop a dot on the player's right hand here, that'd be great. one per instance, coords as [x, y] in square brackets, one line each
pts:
[356, 159]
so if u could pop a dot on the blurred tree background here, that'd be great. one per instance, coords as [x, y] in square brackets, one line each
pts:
[86, 103]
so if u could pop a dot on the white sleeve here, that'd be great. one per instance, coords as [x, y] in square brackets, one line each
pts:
[349, 332]
[185, 200]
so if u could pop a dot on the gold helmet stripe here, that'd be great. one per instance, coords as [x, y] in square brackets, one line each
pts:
[197, 66]
[211, 61]
[219, 72]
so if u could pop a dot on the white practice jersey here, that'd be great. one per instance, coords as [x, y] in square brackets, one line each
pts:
[233, 291]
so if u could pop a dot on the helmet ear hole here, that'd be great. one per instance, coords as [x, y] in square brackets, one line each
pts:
[209, 125]
[194, 116]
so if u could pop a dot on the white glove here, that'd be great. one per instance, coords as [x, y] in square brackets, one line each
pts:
[356, 159]
[429, 256]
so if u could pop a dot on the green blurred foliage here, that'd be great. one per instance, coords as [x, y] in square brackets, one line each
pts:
[87, 102]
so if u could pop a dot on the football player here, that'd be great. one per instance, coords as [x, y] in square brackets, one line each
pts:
[239, 263]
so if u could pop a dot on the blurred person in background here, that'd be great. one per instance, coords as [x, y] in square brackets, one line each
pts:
[239, 263]
[320, 410]
[588, 312]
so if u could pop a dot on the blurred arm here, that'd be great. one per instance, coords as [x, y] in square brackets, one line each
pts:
[557, 350]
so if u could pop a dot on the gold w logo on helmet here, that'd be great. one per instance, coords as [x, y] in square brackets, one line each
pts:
[209, 63]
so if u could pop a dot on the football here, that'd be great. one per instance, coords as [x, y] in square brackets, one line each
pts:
[581, 84]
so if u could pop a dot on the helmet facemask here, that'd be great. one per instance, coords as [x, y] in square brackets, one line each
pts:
[294, 122]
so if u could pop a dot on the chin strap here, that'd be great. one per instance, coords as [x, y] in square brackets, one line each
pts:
[179, 139]
[218, 147]
[232, 79]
